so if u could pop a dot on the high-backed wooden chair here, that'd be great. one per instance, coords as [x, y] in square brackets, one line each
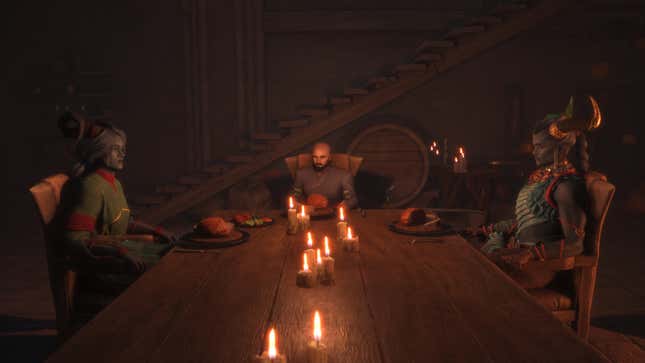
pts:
[341, 161]
[574, 307]
[62, 279]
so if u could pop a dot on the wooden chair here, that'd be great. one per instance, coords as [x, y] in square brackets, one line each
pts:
[574, 307]
[62, 279]
[341, 161]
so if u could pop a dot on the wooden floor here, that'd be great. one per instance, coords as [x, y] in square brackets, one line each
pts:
[27, 325]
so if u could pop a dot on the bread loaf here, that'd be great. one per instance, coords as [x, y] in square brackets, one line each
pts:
[413, 217]
[318, 201]
[214, 226]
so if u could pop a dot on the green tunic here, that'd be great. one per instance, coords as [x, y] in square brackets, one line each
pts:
[96, 205]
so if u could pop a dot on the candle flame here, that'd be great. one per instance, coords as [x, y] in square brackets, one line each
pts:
[305, 265]
[318, 258]
[272, 351]
[437, 152]
[327, 251]
[310, 240]
[317, 328]
[456, 160]
[462, 152]
[302, 211]
[342, 214]
[349, 232]
[290, 202]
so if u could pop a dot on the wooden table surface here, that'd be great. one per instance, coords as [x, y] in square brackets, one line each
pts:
[393, 302]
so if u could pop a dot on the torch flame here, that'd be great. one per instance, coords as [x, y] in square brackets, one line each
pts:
[327, 251]
[305, 265]
[349, 232]
[310, 240]
[290, 202]
[317, 329]
[318, 258]
[272, 351]
[342, 214]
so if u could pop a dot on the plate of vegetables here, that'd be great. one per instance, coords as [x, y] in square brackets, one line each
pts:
[252, 221]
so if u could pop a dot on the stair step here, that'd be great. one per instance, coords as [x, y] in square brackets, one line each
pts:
[148, 200]
[356, 92]
[380, 82]
[510, 8]
[216, 169]
[171, 189]
[435, 44]
[472, 29]
[486, 20]
[427, 58]
[288, 124]
[261, 147]
[190, 180]
[342, 100]
[414, 67]
[263, 136]
[240, 158]
[314, 111]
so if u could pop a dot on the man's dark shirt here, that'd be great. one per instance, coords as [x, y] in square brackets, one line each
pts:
[335, 184]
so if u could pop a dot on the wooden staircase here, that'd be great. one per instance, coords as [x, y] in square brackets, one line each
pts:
[431, 58]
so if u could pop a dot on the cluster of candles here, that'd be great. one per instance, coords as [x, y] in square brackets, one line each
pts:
[460, 165]
[315, 268]
[434, 148]
[297, 221]
[316, 350]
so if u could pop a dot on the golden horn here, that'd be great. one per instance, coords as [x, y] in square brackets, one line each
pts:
[560, 129]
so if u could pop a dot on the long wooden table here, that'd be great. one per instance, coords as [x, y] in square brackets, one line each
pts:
[392, 302]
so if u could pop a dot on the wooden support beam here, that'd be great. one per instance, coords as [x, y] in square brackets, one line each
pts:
[288, 124]
[366, 104]
[372, 20]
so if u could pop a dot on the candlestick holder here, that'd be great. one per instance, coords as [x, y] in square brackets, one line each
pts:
[316, 352]
[265, 358]
[292, 221]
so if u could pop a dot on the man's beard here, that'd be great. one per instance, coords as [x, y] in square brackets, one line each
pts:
[320, 168]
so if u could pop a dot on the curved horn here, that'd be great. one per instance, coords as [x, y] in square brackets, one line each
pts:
[596, 118]
[561, 128]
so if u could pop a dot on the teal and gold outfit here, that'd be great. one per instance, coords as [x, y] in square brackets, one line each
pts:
[536, 214]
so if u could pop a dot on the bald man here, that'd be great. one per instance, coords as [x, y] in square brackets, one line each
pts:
[337, 185]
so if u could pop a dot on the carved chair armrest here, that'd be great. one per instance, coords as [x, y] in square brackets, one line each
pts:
[565, 263]
[114, 240]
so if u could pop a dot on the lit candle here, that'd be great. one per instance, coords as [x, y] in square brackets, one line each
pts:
[319, 266]
[292, 218]
[351, 242]
[463, 163]
[305, 277]
[271, 355]
[327, 265]
[341, 226]
[310, 252]
[303, 219]
[316, 351]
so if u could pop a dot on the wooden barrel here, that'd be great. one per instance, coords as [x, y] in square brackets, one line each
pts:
[397, 153]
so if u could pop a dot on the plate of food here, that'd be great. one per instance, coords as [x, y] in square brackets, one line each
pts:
[213, 232]
[419, 222]
[319, 207]
[252, 221]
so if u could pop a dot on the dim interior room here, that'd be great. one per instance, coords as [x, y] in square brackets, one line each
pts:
[214, 95]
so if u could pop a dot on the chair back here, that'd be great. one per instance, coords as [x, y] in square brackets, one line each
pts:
[47, 195]
[600, 193]
[342, 161]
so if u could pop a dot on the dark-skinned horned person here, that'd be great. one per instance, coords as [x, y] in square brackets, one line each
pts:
[334, 184]
[94, 209]
[550, 210]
